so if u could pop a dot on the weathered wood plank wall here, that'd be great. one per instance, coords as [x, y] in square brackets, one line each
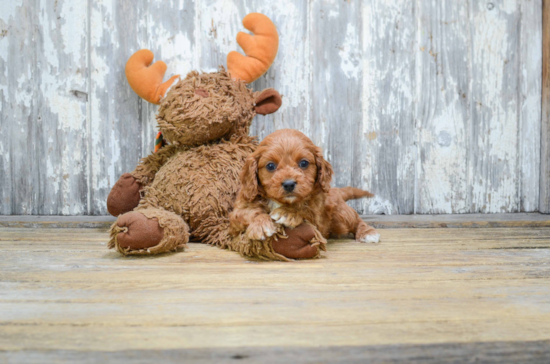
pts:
[433, 105]
[544, 199]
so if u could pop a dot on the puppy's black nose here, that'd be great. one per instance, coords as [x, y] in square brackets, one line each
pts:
[289, 185]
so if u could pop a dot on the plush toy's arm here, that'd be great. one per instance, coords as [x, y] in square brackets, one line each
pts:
[149, 166]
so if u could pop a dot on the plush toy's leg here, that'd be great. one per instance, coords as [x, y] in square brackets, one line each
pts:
[124, 195]
[149, 231]
[302, 242]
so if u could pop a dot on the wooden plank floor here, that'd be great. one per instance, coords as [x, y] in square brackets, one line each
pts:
[65, 297]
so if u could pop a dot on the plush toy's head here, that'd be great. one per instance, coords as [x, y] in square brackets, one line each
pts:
[204, 107]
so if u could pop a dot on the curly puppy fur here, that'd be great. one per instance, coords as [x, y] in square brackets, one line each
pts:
[287, 181]
[190, 185]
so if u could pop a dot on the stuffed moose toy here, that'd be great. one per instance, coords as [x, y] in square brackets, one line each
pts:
[186, 190]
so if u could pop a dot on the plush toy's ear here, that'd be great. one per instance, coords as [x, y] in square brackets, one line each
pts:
[324, 171]
[146, 79]
[260, 48]
[268, 101]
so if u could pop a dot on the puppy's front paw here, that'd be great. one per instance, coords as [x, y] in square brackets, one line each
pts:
[287, 218]
[261, 229]
[373, 237]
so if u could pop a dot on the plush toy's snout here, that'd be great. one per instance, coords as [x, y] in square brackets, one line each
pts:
[201, 92]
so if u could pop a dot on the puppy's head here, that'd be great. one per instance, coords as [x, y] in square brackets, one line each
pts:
[287, 167]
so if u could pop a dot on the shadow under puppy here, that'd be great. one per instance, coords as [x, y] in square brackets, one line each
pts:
[287, 181]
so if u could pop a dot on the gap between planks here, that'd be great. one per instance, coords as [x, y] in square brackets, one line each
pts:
[377, 221]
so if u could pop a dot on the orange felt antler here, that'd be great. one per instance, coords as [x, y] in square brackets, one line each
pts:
[260, 48]
[146, 80]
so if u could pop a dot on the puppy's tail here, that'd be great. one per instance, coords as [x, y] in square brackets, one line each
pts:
[351, 193]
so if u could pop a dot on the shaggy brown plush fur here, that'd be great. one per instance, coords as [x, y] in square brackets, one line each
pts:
[287, 181]
[203, 195]
[226, 111]
[188, 188]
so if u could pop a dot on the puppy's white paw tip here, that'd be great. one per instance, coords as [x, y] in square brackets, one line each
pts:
[371, 238]
[282, 220]
[275, 216]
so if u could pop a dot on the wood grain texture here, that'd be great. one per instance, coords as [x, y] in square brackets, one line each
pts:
[544, 200]
[44, 101]
[442, 89]
[388, 135]
[60, 148]
[434, 106]
[526, 352]
[530, 88]
[336, 112]
[62, 290]
[494, 107]
[17, 108]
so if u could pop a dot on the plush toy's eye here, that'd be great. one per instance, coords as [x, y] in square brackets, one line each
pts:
[304, 164]
[271, 166]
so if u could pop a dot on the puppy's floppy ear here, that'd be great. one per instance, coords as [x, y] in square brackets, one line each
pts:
[249, 179]
[324, 171]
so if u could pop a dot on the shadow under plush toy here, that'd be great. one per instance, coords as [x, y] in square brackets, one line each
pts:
[186, 190]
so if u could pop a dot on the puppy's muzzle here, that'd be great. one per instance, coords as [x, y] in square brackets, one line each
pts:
[289, 185]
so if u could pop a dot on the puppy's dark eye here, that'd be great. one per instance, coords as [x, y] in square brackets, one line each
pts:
[304, 164]
[271, 166]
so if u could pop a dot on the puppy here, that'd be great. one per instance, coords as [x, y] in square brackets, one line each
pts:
[287, 181]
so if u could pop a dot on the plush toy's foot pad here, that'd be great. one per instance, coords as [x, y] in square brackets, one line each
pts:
[124, 195]
[298, 244]
[149, 231]
[137, 232]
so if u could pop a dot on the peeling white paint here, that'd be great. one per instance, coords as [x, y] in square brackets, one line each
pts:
[24, 91]
[350, 53]
[8, 9]
[57, 84]
[220, 23]
[509, 6]
[4, 44]
[378, 206]
[101, 72]
[49, 46]
[177, 51]
[53, 173]
[388, 105]
[73, 16]
[495, 186]
[294, 75]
